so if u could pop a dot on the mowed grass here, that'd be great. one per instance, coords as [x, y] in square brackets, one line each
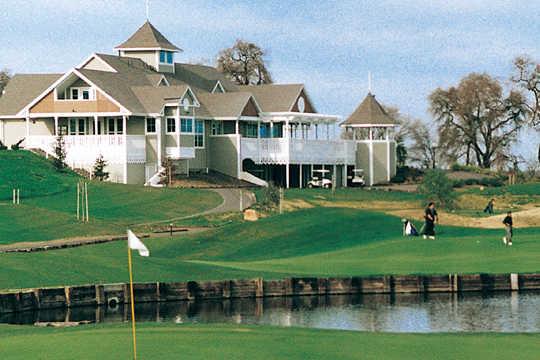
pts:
[49, 202]
[249, 342]
[310, 242]
[351, 194]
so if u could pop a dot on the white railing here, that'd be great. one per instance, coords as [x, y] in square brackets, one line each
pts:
[298, 151]
[83, 150]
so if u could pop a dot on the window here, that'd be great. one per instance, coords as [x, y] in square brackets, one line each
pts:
[81, 93]
[165, 57]
[86, 94]
[115, 126]
[186, 125]
[74, 94]
[119, 126]
[112, 129]
[249, 129]
[199, 133]
[171, 125]
[150, 125]
[77, 126]
[217, 127]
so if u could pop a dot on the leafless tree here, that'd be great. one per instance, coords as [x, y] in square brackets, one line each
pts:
[479, 117]
[423, 149]
[527, 77]
[244, 64]
[5, 75]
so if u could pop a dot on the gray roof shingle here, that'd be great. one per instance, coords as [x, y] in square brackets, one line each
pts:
[369, 112]
[148, 37]
[22, 89]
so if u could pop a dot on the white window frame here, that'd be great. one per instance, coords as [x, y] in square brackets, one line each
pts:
[166, 55]
[199, 134]
[192, 119]
[80, 90]
[167, 125]
[116, 122]
[77, 122]
[146, 126]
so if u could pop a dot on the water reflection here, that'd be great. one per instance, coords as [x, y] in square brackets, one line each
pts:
[499, 312]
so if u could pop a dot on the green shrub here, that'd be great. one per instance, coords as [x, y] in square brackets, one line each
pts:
[2, 146]
[437, 187]
[406, 173]
[17, 145]
[269, 197]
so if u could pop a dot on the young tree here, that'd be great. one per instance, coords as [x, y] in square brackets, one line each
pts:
[436, 186]
[244, 64]
[99, 169]
[479, 116]
[59, 153]
[5, 75]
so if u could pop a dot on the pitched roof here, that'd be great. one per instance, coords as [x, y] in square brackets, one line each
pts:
[369, 112]
[222, 104]
[23, 88]
[275, 98]
[147, 37]
[202, 76]
[153, 99]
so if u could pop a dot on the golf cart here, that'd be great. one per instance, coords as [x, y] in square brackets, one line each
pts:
[357, 178]
[319, 181]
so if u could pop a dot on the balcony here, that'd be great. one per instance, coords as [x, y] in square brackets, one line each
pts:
[298, 151]
[83, 150]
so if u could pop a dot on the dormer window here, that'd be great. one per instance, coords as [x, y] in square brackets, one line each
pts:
[81, 93]
[165, 57]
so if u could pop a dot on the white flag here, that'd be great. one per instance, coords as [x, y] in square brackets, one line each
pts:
[135, 243]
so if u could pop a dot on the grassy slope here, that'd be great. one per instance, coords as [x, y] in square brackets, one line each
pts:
[318, 241]
[249, 342]
[48, 202]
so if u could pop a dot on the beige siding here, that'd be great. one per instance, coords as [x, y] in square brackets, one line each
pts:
[393, 165]
[187, 140]
[362, 158]
[170, 140]
[380, 163]
[49, 105]
[13, 131]
[151, 149]
[42, 127]
[96, 64]
[223, 155]
[148, 57]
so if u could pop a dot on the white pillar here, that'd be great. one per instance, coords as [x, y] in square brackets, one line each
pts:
[56, 126]
[124, 135]
[344, 175]
[177, 132]
[311, 175]
[287, 175]
[334, 176]
[159, 135]
[300, 176]
[388, 171]
[327, 131]
[237, 127]
[96, 125]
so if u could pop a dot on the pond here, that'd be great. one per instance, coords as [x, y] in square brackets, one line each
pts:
[422, 313]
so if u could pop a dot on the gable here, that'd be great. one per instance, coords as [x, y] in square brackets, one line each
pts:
[250, 109]
[307, 106]
[48, 105]
[98, 64]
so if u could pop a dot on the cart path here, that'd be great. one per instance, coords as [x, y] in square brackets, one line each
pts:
[231, 202]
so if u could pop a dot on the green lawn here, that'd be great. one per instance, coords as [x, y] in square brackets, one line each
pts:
[255, 342]
[350, 194]
[48, 202]
[311, 242]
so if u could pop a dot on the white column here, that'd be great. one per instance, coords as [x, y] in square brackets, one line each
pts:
[327, 131]
[271, 129]
[237, 127]
[159, 135]
[388, 171]
[311, 174]
[287, 174]
[344, 175]
[96, 125]
[124, 135]
[56, 126]
[177, 121]
[259, 140]
[300, 176]
[2, 131]
[370, 161]
[334, 176]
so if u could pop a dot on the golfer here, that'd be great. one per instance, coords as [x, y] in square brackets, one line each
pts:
[489, 207]
[430, 216]
[508, 226]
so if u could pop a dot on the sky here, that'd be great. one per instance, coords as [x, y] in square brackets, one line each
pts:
[410, 47]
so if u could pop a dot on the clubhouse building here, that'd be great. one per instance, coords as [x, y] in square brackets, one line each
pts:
[140, 107]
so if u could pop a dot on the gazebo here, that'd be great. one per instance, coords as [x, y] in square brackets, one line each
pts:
[373, 130]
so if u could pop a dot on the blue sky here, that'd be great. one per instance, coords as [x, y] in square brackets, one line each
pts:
[411, 47]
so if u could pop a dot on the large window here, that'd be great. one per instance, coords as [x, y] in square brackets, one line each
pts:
[248, 129]
[186, 125]
[199, 133]
[171, 125]
[77, 126]
[115, 126]
[150, 125]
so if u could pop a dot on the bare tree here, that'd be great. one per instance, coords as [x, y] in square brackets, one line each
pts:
[244, 64]
[5, 75]
[527, 77]
[424, 148]
[479, 116]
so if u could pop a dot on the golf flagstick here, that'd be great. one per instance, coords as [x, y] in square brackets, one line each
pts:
[134, 244]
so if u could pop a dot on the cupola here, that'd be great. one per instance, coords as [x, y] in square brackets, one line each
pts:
[149, 45]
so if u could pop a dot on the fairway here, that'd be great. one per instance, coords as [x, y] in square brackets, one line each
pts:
[48, 202]
[250, 342]
[310, 242]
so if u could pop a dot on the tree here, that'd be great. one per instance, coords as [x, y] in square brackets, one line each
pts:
[59, 153]
[5, 75]
[437, 187]
[244, 64]
[423, 148]
[99, 169]
[479, 117]
[401, 134]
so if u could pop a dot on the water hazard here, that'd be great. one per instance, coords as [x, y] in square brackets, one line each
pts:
[471, 312]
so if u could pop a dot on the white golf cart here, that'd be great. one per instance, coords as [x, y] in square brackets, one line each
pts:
[318, 179]
[357, 178]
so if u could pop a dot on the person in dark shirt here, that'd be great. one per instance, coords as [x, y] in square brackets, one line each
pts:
[430, 216]
[508, 226]
[489, 207]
